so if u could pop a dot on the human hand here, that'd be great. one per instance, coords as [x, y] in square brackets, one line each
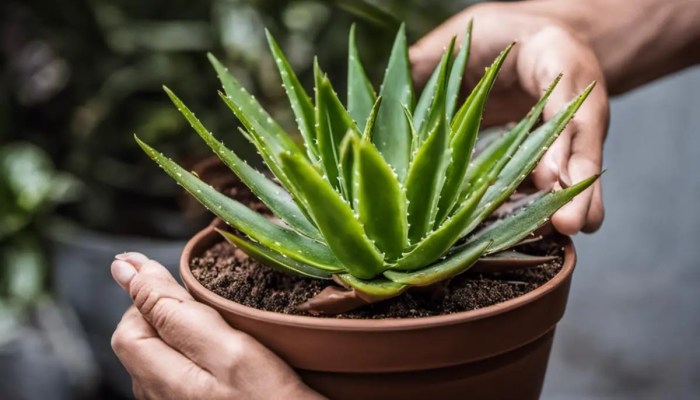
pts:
[176, 348]
[546, 48]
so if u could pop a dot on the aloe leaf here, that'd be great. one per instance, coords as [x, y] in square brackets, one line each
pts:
[298, 98]
[375, 290]
[361, 95]
[436, 113]
[274, 197]
[436, 97]
[347, 166]
[335, 219]
[391, 134]
[274, 259]
[497, 154]
[454, 265]
[411, 128]
[267, 147]
[457, 72]
[252, 224]
[381, 201]
[249, 111]
[333, 123]
[464, 136]
[509, 231]
[441, 240]
[420, 113]
[369, 126]
[509, 260]
[529, 153]
[425, 180]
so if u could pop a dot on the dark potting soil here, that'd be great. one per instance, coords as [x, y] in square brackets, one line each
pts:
[229, 272]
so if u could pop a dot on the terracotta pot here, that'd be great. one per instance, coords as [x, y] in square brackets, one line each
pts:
[497, 352]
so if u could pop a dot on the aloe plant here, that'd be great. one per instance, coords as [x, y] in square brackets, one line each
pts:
[384, 194]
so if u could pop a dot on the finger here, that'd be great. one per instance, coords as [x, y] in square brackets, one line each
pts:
[193, 329]
[596, 211]
[577, 153]
[572, 217]
[540, 61]
[585, 212]
[157, 370]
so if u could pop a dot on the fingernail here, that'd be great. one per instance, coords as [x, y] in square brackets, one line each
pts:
[132, 257]
[122, 272]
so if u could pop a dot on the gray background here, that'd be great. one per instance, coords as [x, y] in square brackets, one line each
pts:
[633, 320]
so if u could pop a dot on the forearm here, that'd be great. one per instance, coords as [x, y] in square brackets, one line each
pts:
[636, 41]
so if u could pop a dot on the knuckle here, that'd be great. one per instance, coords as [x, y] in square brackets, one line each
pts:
[118, 342]
[139, 287]
[151, 267]
[237, 350]
[200, 382]
[161, 310]
[152, 301]
[123, 338]
[554, 31]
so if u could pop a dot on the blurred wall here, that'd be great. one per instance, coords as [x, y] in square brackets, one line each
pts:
[633, 321]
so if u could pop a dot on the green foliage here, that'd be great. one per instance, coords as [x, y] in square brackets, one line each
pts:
[387, 195]
[29, 187]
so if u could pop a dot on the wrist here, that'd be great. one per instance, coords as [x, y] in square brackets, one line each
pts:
[635, 41]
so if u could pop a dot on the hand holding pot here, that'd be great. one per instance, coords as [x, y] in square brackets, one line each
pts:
[620, 44]
[545, 48]
[176, 348]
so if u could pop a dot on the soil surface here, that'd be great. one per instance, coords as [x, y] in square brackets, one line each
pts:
[229, 272]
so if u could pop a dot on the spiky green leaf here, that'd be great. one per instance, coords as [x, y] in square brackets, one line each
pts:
[274, 197]
[361, 95]
[509, 231]
[335, 219]
[252, 224]
[391, 134]
[369, 126]
[455, 264]
[441, 240]
[529, 153]
[274, 259]
[268, 148]
[333, 123]
[347, 166]
[457, 72]
[492, 160]
[438, 97]
[298, 98]
[420, 113]
[464, 136]
[249, 111]
[425, 180]
[381, 201]
[375, 290]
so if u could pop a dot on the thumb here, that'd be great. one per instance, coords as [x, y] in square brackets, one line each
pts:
[191, 328]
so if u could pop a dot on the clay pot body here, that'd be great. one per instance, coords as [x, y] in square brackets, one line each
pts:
[497, 352]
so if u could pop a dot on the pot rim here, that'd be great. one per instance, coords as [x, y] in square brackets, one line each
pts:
[387, 324]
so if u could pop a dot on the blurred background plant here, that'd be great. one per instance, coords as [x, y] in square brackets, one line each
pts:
[29, 188]
[81, 76]
[77, 78]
